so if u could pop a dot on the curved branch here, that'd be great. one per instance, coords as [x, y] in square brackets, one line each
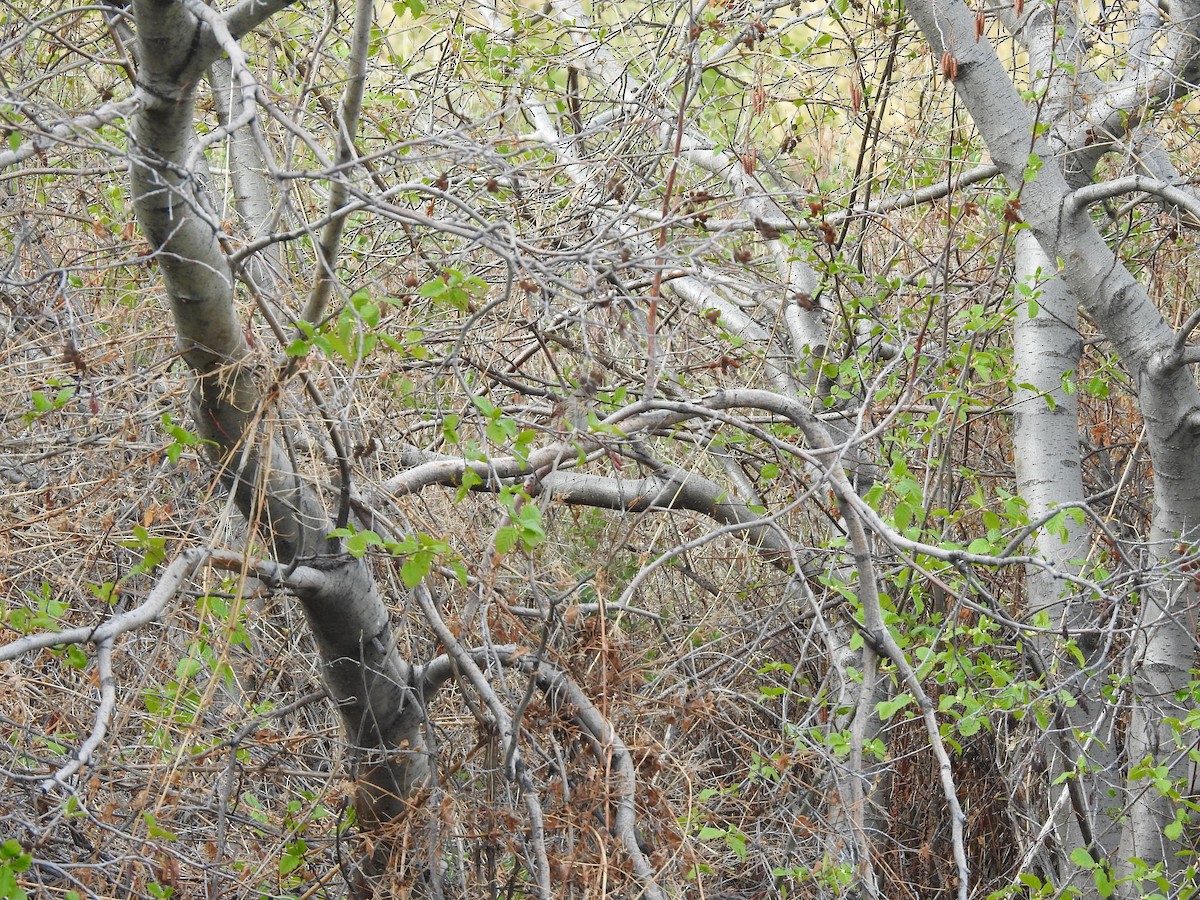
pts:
[169, 584]
[108, 703]
[105, 635]
[1175, 195]
[670, 489]
[249, 14]
[568, 699]
[347, 126]
[41, 142]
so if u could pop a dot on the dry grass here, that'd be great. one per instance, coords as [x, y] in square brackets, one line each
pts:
[221, 772]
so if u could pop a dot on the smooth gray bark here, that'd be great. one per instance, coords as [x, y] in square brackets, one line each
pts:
[1167, 393]
[1046, 348]
[231, 400]
[253, 198]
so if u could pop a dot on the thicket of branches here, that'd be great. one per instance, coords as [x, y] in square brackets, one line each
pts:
[685, 385]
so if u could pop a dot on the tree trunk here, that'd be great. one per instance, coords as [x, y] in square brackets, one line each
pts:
[231, 399]
[1167, 394]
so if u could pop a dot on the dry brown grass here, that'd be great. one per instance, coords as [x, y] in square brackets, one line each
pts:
[223, 757]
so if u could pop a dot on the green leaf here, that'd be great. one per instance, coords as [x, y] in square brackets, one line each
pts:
[737, 843]
[1082, 858]
[470, 478]
[415, 568]
[357, 542]
[1174, 831]
[415, 8]
[888, 708]
[41, 403]
[187, 668]
[506, 539]
[969, 725]
[293, 857]
[297, 348]
[497, 433]
[153, 829]
[76, 657]
[1032, 167]
[530, 521]
[9, 889]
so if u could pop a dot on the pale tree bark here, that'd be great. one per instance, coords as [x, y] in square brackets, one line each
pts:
[1167, 393]
[1046, 349]
[1079, 108]
[231, 406]
[1046, 454]
[254, 200]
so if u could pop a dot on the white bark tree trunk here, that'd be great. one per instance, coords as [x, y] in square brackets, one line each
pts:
[372, 686]
[1167, 394]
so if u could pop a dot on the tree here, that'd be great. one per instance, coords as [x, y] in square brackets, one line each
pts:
[687, 472]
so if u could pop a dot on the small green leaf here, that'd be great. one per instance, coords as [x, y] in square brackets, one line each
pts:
[153, 829]
[1174, 831]
[415, 8]
[187, 668]
[415, 568]
[470, 478]
[980, 546]
[357, 542]
[9, 889]
[41, 403]
[293, 857]
[969, 725]
[506, 539]
[76, 657]
[888, 708]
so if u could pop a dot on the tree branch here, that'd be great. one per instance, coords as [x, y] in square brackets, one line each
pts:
[567, 698]
[249, 14]
[1175, 195]
[39, 143]
[325, 275]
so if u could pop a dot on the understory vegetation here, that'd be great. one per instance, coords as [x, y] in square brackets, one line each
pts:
[634, 392]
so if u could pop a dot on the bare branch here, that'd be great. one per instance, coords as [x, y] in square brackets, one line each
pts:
[168, 585]
[40, 143]
[241, 71]
[249, 14]
[1175, 195]
[103, 715]
[571, 701]
[347, 125]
